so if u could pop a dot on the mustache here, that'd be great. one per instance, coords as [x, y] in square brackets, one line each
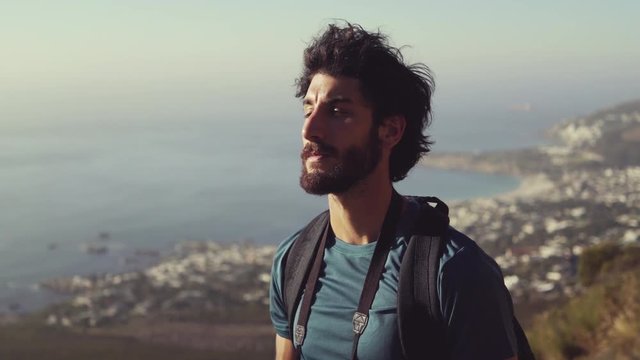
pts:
[317, 148]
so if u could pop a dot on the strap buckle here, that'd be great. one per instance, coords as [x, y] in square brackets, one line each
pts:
[298, 335]
[360, 321]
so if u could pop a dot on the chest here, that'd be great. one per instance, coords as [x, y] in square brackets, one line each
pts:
[329, 329]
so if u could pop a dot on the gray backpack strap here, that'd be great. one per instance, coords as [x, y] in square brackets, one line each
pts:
[420, 322]
[298, 262]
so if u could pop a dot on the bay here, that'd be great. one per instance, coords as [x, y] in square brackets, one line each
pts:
[132, 187]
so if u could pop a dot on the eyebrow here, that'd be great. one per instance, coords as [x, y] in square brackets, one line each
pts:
[334, 100]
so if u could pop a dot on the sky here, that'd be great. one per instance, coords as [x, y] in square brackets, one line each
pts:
[122, 62]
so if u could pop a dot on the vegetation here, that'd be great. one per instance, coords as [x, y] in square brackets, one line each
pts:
[607, 259]
[34, 340]
[30, 338]
[604, 321]
[31, 341]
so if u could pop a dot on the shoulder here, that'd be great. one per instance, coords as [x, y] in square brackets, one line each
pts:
[277, 308]
[474, 301]
[456, 245]
[462, 257]
[282, 251]
[460, 254]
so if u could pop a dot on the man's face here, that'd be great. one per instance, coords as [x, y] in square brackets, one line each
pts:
[340, 142]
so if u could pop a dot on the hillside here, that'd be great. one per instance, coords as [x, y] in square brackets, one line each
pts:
[603, 322]
[607, 138]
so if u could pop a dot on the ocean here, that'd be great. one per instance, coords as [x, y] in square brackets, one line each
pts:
[146, 187]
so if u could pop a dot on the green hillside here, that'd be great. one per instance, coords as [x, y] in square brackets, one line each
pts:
[603, 322]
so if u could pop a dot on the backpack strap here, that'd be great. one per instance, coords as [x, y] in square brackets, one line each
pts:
[419, 315]
[298, 263]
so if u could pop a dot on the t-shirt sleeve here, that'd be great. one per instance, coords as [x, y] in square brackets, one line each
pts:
[477, 307]
[277, 308]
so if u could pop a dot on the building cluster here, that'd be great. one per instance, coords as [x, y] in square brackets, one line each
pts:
[201, 280]
[585, 132]
[537, 240]
[584, 198]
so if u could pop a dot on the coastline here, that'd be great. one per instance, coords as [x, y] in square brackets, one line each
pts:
[108, 250]
[529, 185]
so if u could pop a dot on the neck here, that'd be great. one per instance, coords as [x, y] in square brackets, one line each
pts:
[357, 215]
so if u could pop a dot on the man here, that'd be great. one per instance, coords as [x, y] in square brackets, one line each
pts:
[365, 112]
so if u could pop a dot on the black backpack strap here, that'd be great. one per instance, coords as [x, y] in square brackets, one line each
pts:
[422, 328]
[441, 207]
[298, 263]
[420, 322]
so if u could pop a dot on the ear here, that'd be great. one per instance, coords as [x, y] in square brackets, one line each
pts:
[391, 130]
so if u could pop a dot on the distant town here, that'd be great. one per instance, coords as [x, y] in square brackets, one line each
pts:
[578, 192]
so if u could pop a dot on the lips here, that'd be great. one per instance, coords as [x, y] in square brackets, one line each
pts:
[316, 151]
[319, 154]
[315, 157]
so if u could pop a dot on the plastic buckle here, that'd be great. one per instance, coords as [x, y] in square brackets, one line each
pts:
[298, 336]
[360, 321]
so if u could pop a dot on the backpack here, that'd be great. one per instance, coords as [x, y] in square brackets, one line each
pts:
[419, 315]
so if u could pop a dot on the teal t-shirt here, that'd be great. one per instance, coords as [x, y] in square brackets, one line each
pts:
[473, 300]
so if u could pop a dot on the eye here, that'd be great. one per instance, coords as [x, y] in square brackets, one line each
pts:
[307, 111]
[338, 111]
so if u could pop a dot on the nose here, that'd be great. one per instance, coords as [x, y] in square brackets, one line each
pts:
[314, 127]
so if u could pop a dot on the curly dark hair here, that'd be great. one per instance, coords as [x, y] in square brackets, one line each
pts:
[386, 82]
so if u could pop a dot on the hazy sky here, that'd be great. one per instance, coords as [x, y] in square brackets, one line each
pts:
[157, 59]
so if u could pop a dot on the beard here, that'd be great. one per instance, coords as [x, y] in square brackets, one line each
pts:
[353, 165]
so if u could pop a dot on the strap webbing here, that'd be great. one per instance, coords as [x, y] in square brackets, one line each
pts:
[376, 267]
[305, 308]
[419, 316]
[298, 263]
[427, 252]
